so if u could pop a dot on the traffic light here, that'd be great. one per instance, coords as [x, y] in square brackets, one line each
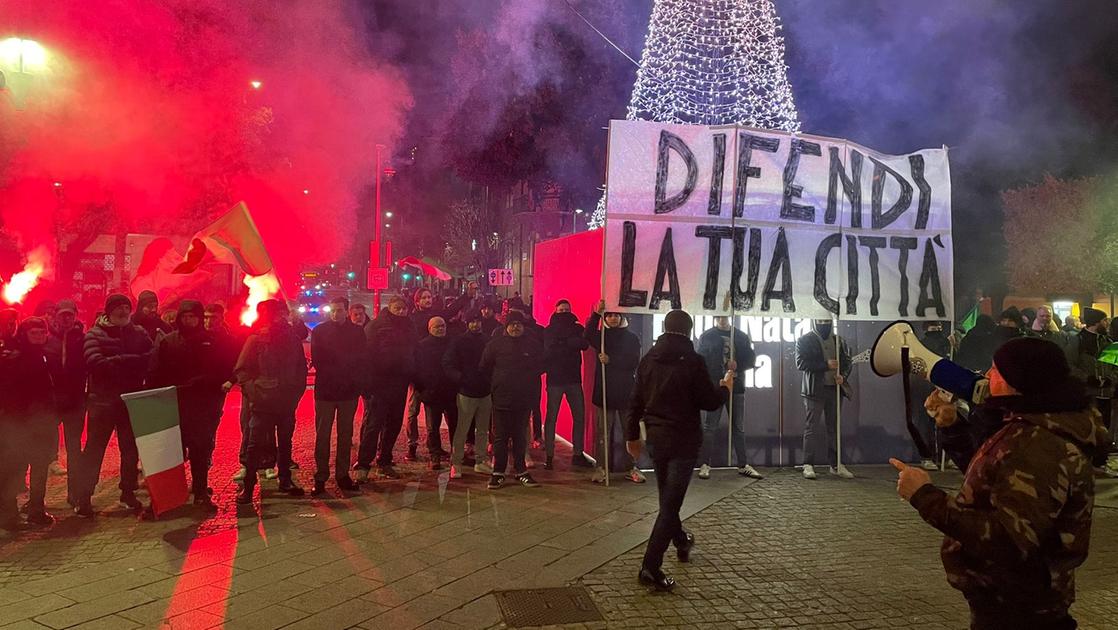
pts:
[407, 276]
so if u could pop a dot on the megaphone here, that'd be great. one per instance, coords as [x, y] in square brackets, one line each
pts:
[898, 344]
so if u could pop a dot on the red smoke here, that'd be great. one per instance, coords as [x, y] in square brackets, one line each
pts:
[146, 120]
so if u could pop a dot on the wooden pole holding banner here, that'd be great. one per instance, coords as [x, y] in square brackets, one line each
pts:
[733, 323]
[602, 324]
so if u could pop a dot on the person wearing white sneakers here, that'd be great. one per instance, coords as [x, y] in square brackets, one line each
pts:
[619, 358]
[825, 361]
[714, 347]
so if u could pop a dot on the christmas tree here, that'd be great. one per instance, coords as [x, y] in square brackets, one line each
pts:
[712, 62]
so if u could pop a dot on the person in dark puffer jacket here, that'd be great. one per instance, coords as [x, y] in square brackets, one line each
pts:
[435, 389]
[619, 358]
[462, 364]
[118, 355]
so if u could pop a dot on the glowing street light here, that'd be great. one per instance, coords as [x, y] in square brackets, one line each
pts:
[23, 55]
[255, 84]
[388, 214]
[306, 191]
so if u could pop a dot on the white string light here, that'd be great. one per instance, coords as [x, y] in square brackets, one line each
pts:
[712, 62]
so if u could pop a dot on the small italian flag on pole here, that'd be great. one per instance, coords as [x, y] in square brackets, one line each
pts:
[155, 421]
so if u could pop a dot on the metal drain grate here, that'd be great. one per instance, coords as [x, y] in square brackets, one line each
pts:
[547, 606]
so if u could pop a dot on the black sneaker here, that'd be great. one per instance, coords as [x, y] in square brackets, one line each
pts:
[244, 495]
[204, 501]
[580, 461]
[83, 509]
[495, 482]
[550, 463]
[412, 455]
[388, 472]
[319, 488]
[289, 488]
[526, 480]
[129, 500]
[40, 518]
[348, 485]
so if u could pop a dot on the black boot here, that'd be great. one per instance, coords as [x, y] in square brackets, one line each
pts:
[289, 488]
[412, 455]
[683, 552]
[319, 488]
[656, 579]
[244, 495]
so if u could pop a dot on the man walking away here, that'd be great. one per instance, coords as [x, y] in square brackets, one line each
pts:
[564, 343]
[1021, 523]
[338, 353]
[513, 363]
[67, 368]
[191, 359]
[714, 346]
[435, 389]
[619, 358]
[390, 343]
[825, 362]
[272, 371]
[462, 365]
[118, 356]
[672, 387]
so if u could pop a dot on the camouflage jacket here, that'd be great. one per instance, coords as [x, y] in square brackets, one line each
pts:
[1021, 522]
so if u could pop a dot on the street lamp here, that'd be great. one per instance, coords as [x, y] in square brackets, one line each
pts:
[255, 84]
[25, 56]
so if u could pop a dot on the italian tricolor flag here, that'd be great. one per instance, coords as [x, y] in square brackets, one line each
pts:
[155, 421]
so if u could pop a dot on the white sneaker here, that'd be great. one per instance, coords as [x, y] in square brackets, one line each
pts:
[749, 471]
[809, 471]
[271, 473]
[842, 472]
[636, 476]
[240, 474]
[483, 468]
[599, 475]
[454, 472]
[928, 464]
[704, 471]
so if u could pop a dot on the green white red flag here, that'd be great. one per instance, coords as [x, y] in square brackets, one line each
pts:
[154, 414]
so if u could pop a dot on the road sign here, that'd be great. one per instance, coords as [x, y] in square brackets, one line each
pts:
[500, 277]
[378, 278]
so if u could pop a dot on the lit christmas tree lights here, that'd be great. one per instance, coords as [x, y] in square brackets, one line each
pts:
[712, 62]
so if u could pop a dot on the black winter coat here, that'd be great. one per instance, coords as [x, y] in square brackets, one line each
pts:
[462, 364]
[624, 350]
[514, 365]
[338, 355]
[196, 363]
[712, 347]
[390, 342]
[672, 387]
[272, 369]
[419, 320]
[67, 365]
[813, 363]
[152, 325]
[432, 384]
[564, 342]
[28, 414]
[118, 358]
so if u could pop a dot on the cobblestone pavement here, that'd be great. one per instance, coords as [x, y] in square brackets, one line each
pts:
[427, 552]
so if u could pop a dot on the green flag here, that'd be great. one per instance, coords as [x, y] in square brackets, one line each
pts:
[970, 320]
[1109, 354]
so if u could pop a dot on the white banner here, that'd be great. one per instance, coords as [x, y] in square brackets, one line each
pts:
[714, 219]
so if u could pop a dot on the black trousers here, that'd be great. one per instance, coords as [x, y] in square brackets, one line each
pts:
[198, 421]
[510, 424]
[327, 413]
[106, 417]
[378, 436]
[433, 414]
[73, 426]
[673, 475]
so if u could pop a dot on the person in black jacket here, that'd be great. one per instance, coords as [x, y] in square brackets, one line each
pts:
[337, 352]
[272, 372]
[462, 365]
[147, 316]
[825, 361]
[29, 415]
[976, 351]
[489, 323]
[714, 346]
[672, 386]
[190, 359]
[423, 309]
[564, 342]
[619, 359]
[390, 343]
[435, 389]
[513, 363]
[118, 355]
[67, 366]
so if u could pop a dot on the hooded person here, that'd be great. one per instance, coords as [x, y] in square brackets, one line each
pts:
[1021, 522]
[564, 342]
[976, 350]
[673, 386]
[147, 316]
[118, 357]
[513, 363]
[28, 424]
[390, 350]
[618, 359]
[192, 359]
[825, 362]
[435, 389]
[272, 372]
[1011, 325]
[67, 366]
[720, 356]
[338, 355]
[462, 365]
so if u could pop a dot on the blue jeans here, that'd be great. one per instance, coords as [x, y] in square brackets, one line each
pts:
[673, 474]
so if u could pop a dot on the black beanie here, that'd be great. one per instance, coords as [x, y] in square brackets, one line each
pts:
[1031, 364]
[192, 306]
[1092, 316]
[146, 297]
[514, 316]
[115, 300]
[678, 322]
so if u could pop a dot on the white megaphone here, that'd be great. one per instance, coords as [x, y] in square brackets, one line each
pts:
[898, 343]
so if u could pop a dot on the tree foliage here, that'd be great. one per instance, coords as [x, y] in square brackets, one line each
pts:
[474, 236]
